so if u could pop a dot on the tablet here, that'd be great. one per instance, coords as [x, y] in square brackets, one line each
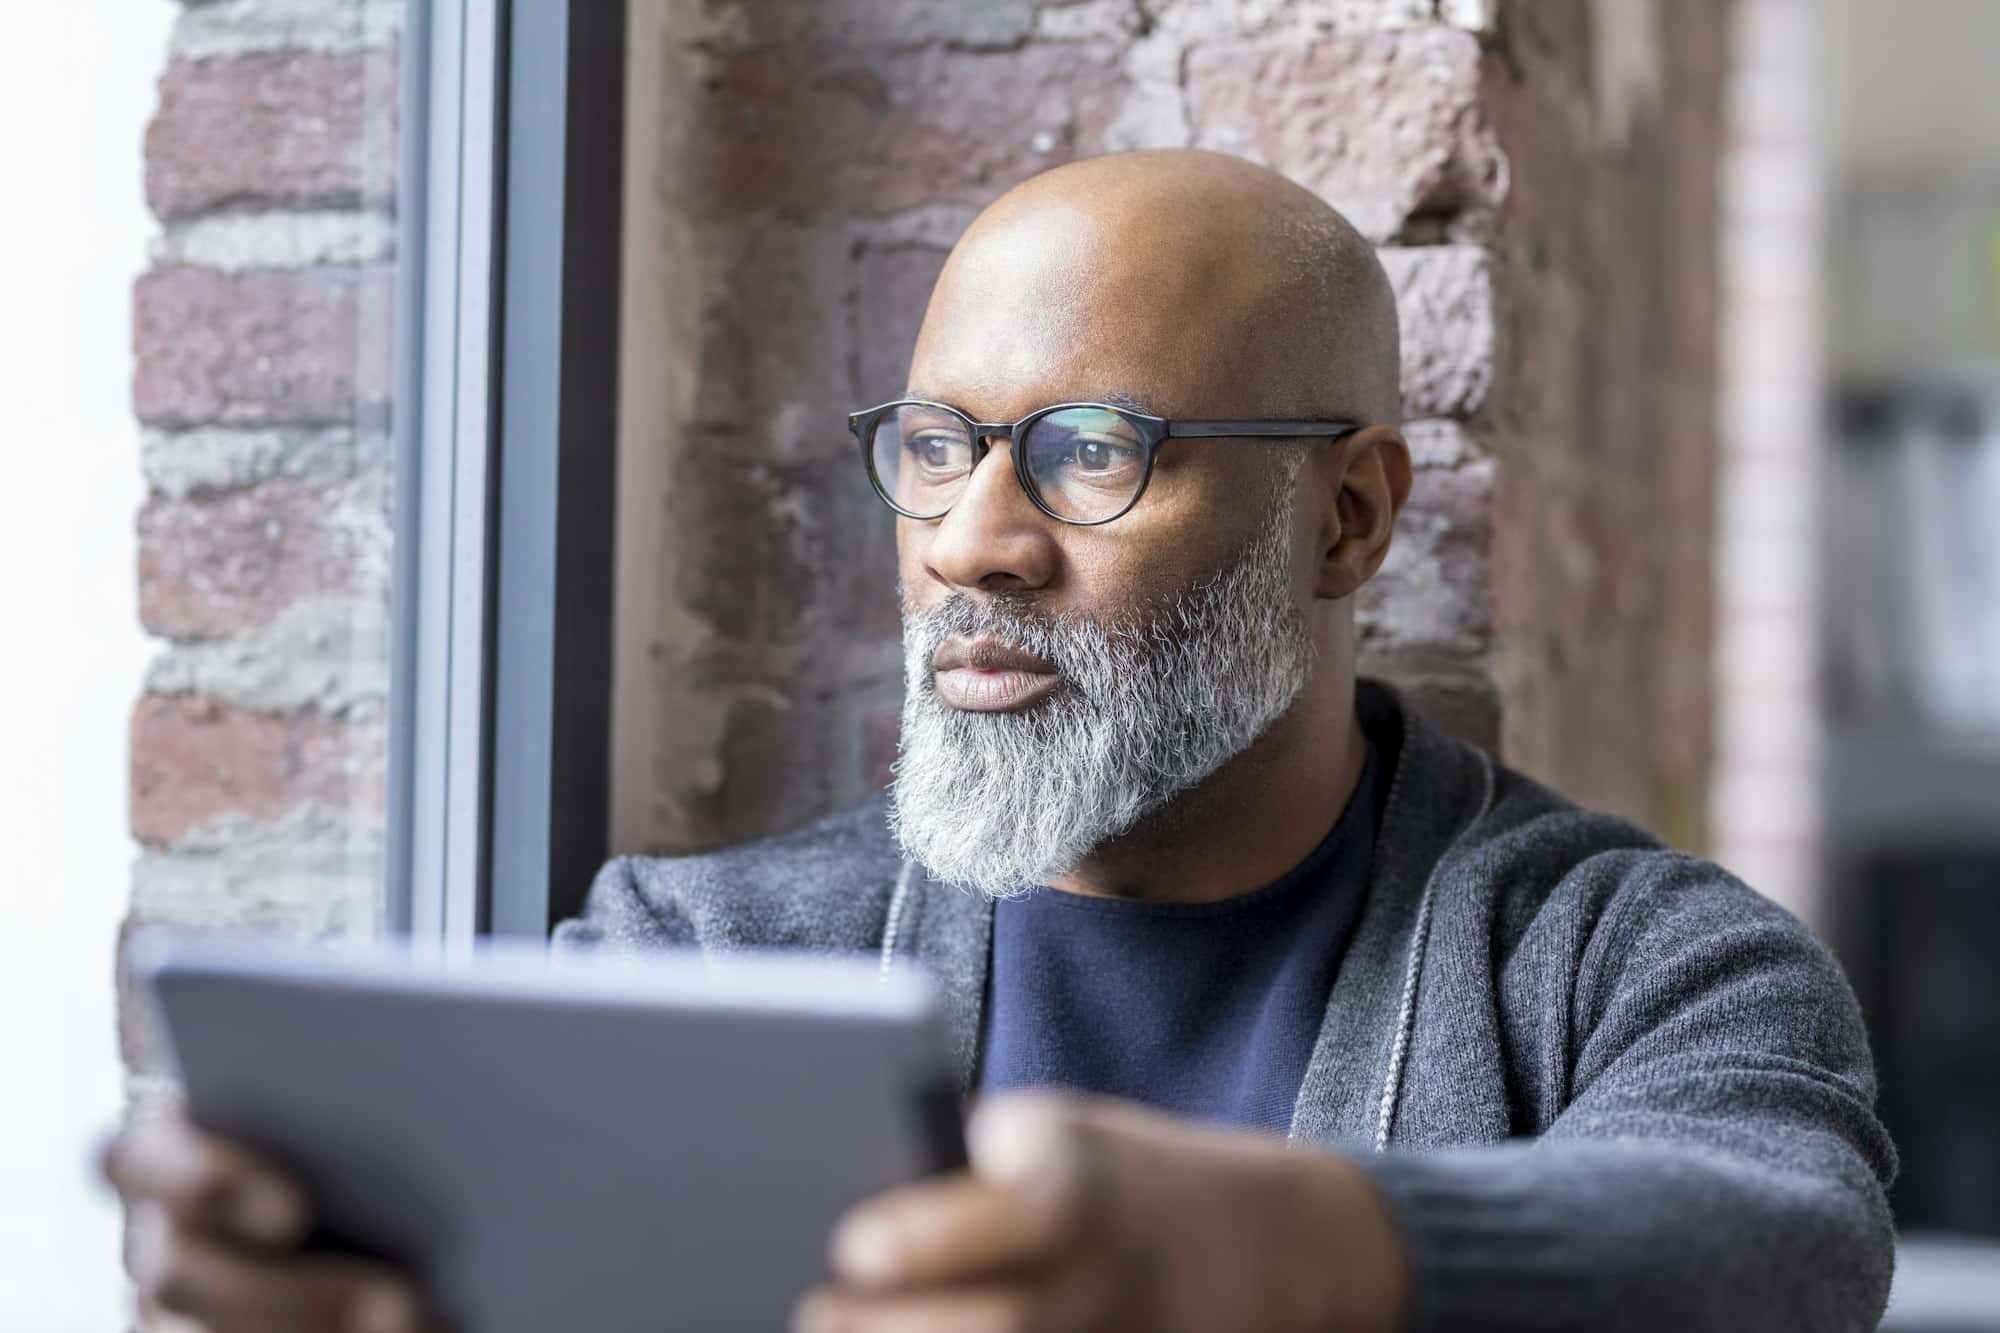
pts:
[575, 1143]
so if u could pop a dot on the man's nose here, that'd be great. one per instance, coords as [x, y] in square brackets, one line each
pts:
[993, 538]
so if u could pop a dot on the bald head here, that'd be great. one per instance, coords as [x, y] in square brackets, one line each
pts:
[1195, 720]
[1198, 283]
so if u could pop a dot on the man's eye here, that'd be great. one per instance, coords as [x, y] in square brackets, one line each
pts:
[940, 453]
[1102, 455]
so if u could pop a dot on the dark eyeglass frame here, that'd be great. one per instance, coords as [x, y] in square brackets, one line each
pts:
[1153, 432]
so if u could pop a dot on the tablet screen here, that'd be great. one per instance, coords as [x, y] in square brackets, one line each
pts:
[600, 1142]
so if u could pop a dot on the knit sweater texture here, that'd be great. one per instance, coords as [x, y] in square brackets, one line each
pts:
[1601, 1085]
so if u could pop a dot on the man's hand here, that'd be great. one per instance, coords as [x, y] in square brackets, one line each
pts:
[215, 1231]
[1094, 1215]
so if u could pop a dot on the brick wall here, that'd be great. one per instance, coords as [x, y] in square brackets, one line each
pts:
[1538, 174]
[1539, 177]
[1604, 401]
[263, 339]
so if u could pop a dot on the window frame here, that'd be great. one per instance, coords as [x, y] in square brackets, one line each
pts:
[507, 342]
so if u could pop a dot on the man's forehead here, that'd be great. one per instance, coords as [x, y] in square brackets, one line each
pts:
[1022, 328]
[1110, 397]
[1029, 376]
[1196, 284]
[1109, 269]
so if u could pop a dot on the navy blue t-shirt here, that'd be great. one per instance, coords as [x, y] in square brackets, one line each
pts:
[1205, 1009]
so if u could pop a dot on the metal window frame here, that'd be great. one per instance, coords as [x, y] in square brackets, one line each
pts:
[505, 456]
[551, 793]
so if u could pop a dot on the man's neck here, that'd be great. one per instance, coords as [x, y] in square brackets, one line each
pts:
[1250, 822]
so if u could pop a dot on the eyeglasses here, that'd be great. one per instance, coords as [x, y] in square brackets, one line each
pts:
[1082, 463]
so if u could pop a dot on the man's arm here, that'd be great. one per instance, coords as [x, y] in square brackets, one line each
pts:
[1715, 1164]
[1718, 1163]
[823, 888]
[1091, 1215]
[617, 913]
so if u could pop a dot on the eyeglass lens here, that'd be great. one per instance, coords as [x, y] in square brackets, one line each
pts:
[1085, 464]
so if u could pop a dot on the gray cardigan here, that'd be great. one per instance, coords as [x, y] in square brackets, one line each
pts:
[1600, 1084]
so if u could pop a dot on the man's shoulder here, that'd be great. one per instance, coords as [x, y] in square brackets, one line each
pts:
[823, 886]
[1556, 867]
[1516, 853]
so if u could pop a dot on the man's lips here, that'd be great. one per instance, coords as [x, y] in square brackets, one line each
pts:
[987, 676]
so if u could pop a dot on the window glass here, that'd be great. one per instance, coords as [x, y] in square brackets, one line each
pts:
[264, 336]
[200, 350]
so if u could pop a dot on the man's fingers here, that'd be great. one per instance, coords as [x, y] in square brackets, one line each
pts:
[952, 1230]
[1035, 1142]
[1023, 1205]
[1001, 1307]
[190, 1273]
[200, 1178]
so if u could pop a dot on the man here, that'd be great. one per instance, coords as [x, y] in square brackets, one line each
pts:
[1339, 1024]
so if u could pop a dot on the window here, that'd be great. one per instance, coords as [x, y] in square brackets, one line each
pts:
[360, 680]
[205, 338]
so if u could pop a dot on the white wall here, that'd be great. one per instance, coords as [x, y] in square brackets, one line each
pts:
[1913, 142]
[1764, 807]
[1910, 86]
[76, 87]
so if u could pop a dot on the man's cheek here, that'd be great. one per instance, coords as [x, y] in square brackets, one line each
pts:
[916, 588]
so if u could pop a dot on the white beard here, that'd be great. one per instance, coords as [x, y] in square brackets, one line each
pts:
[1147, 709]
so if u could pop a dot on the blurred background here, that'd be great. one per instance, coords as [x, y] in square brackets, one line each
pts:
[431, 475]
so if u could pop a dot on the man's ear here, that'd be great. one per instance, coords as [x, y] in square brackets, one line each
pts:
[1369, 472]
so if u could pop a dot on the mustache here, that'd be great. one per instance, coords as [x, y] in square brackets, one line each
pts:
[1156, 694]
[1012, 618]
[1021, 621]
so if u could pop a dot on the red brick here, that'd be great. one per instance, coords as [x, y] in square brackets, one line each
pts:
[872, 26]
[1387, 127]
[195, 761]
[1436, 586]
[210, 567]
[799, 553]
[892, 287]
[287, 129]
[305, 346]
[814, 133]
[1445, 308]
[775, 329]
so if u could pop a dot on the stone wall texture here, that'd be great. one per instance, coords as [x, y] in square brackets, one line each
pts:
[1538, 175]
[263, 333]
